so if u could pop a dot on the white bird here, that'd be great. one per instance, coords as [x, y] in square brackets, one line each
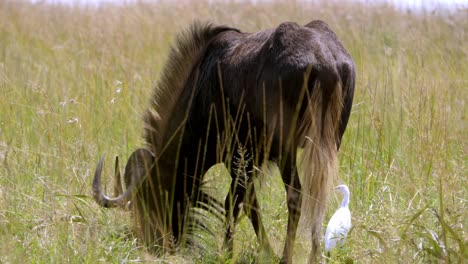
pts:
[340, 222]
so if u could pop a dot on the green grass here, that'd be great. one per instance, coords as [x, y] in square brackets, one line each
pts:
[403, 156]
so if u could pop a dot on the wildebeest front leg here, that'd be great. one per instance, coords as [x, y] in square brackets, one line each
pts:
[293, 196]
[252, 210]
[242, 193]
[232, 205]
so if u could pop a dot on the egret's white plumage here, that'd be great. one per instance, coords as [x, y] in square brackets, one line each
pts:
[340, 222]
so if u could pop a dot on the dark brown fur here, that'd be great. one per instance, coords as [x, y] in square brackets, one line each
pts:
[225, 95]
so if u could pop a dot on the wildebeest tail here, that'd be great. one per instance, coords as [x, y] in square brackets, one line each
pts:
[320, 132]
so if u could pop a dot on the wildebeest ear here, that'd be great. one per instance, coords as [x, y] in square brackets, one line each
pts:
[139, 166]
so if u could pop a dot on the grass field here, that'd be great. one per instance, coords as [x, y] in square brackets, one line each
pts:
[74, 83]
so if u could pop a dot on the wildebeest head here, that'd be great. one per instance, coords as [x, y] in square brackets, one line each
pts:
[144, 195]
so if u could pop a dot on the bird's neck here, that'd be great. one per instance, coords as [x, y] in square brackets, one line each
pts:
[345, 202]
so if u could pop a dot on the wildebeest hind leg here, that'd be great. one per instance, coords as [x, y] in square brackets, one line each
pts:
[293, 196]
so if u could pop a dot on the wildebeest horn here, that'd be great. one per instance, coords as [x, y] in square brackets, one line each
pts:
[99, 195]
[118, 180]
[138, 167]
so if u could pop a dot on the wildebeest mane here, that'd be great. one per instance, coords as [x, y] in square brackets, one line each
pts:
[187, 51]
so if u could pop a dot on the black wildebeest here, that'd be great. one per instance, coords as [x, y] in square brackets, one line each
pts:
[224, 93]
